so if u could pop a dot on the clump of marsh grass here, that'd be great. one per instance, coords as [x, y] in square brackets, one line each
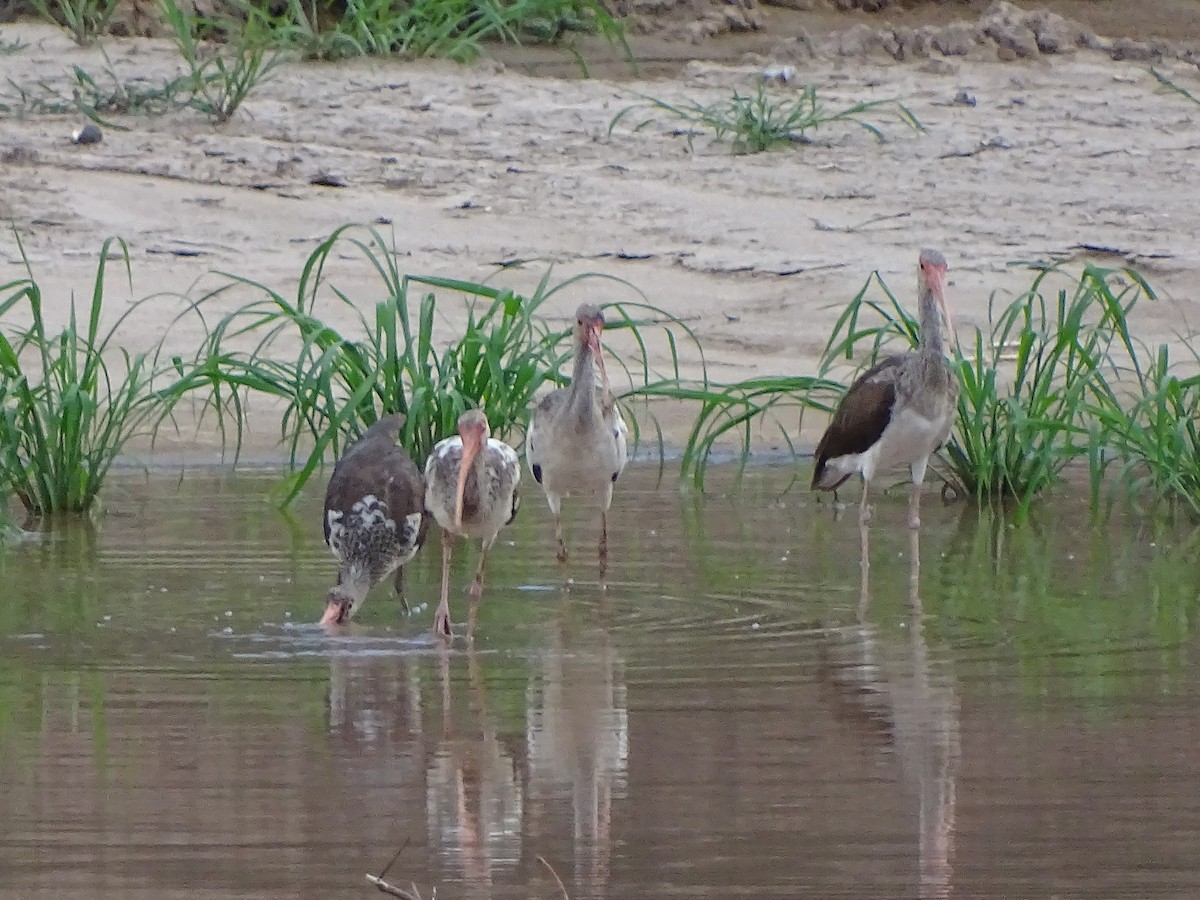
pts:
[503, 356]
[85, 20]
[1153, 446]
[453, 29]
[457, 29]
[70, 402]
[1029, 386]
[303, 26]
[222, 78]
[767, 118]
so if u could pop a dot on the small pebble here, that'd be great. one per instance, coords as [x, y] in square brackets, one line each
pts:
[229, 613]
[754, 627]
[162, 590]
[227, 630]
[287, 614]
[962, 98]
[108, 618]
[779, 73]
[88, 134]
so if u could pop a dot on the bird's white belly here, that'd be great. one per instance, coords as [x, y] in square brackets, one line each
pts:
[582, 468]
[909, 439]
[579, 462]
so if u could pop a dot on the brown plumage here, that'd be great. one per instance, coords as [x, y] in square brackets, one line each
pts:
[375, 518]
[898, 412]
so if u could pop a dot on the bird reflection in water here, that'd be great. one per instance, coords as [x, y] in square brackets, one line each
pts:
[475, 797]
[399, 757]
[492, 798]
[578, 740]
[918, 714]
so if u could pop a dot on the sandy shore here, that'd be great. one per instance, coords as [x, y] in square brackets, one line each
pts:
[467, 167]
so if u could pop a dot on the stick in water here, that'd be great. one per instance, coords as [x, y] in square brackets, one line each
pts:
[384, 888]
[550, 869]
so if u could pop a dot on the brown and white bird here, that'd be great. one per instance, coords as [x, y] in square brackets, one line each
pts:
[471, 488]
[374, 517]
[576, 443]
[901, 410]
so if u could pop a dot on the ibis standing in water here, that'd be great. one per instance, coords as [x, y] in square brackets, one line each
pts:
[576, 442]
[901, 410]
[471, 482]
[374, 517]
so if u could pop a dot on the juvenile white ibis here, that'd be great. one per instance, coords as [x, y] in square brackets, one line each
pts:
[898, 412]
[576, 443]
[471, 483]
[374, 517]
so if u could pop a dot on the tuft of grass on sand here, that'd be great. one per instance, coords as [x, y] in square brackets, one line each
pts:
[452, 29]
[755, 122]
[85, 20]
[220, 77]
[7, 47]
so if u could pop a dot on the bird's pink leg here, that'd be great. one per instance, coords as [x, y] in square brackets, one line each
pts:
[603, 543]
[441, 620]
[914, 506]
[864, 594]
[558, 536]
[477, 589]
[864, 511]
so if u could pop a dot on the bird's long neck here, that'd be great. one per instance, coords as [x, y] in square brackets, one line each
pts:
[583, 383]
[931, 344]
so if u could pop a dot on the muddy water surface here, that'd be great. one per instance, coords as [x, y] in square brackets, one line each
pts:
[735, 717]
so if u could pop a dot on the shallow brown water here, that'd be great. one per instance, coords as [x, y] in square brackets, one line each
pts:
[728, 720]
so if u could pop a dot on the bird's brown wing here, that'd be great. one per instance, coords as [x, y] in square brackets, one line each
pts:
[376, 465]
[405, 492]
[861, 416]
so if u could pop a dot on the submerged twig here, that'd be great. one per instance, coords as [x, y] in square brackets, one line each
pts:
[384, 888]
[557, 880]
[392, 862]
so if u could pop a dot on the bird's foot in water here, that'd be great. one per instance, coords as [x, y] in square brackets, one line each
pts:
[476, 590]
[864, 515]
[914, 521]
[562, 552]
[441, 623]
